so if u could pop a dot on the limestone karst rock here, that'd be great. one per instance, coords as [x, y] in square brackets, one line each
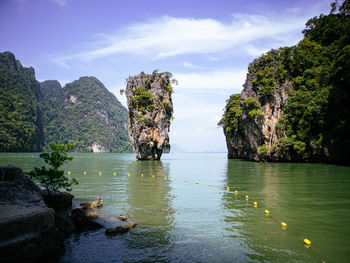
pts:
[35, 114]
[250, 119]
[150, 111]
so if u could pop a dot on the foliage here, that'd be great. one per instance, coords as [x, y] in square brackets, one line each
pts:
[316, 118]
[252, 107]
[34, 115]
[20, 116]
[232, 114]
[263, 150]
[269, 72]
[52, 178]
[141, 99]
[96, 117]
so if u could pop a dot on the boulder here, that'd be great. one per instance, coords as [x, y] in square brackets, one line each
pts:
[64, 223]
[122, 218]
[58, 201]
[82, 221]
[27, 225]
[120, 229]
[97, 203]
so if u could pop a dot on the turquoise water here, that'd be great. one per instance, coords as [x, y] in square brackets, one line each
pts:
[182, 221]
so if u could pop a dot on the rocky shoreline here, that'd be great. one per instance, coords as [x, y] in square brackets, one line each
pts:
[34, 225]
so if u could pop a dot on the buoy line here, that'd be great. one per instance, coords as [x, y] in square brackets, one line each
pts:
[283, 224]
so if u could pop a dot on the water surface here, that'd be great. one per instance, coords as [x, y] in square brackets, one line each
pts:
[182, 221]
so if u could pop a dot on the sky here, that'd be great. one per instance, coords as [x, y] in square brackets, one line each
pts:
[207, 45]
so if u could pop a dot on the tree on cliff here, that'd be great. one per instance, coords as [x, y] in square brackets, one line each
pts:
[53, 179]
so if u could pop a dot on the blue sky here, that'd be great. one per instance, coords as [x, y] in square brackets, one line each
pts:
[207, 45]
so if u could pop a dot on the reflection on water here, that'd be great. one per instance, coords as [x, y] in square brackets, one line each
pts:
[149, 203]
[186, 222]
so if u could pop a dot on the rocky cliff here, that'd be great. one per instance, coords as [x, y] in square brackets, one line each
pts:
[150, 111]
[34, 114]
[86, 113]
[250, 119]
[20, 117]
[295, 101]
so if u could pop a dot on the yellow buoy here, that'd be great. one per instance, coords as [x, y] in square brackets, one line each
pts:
[228, 188]
[165, 178]
[196, 182]
[210, 185]
[153, 176]
[236, 192]
[99, 173]
[115, 174]
[185, 181]
[68, 172]
[283, 224]
[84, 172]
[141, 175]
[255, 204]
[128, 174]
[307, 242]
[246, 197]
[267, 212]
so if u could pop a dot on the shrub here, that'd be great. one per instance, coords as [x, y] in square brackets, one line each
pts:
[263, 150]
[53, 179]
[252, 107]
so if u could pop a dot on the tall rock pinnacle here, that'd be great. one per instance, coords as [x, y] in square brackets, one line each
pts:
[150, 111]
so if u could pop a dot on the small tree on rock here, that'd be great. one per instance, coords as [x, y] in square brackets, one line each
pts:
[53, 179]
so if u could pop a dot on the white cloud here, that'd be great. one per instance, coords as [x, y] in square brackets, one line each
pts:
[170, 36]
[218, 81]
[190, 65]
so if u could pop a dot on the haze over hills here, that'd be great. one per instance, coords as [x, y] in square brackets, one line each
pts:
[34, 114]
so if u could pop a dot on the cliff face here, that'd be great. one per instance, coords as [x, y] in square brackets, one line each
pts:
[34, 114]
[250, 119]
[20, 96]
[86, 113]
[150, 111]
[295, 101]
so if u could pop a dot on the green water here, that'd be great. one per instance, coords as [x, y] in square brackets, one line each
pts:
[185, 222]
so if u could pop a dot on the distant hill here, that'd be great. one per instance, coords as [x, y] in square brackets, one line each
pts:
[34, 114]
[85, 112]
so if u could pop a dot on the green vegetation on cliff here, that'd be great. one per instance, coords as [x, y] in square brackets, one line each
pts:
[20, 115]
[86, 113]
[141, 100]
[315, 125]
[35, 115]
[316, 118]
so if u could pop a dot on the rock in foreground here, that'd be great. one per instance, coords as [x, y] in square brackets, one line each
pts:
[150, 111]
[120, 229]
[97, 203]
[82, 219]
[27, 225]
